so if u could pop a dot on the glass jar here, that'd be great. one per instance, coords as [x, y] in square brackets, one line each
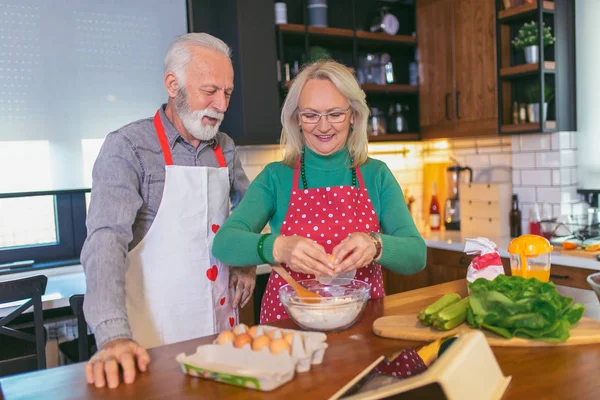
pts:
[530, 257]
[377, 124]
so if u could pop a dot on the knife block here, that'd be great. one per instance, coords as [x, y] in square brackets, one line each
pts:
[450, 377]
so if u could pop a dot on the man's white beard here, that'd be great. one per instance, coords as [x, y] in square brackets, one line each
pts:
[192, 120]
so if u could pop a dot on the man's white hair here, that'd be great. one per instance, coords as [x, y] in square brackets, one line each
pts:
[179, 55]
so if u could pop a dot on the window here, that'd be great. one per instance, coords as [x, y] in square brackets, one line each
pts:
[70, 73]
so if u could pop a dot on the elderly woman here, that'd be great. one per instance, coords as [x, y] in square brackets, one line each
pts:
[328, 204]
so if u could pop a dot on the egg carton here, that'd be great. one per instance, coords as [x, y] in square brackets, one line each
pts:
[260, 370]
[307, 347]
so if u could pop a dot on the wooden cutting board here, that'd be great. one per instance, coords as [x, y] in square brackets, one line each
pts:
[408, 327]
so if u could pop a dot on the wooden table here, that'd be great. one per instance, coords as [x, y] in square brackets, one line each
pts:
[543, 373]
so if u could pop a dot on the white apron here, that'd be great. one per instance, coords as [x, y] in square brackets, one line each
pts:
[175, 289]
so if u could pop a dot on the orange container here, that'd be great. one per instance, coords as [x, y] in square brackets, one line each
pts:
[530, 257]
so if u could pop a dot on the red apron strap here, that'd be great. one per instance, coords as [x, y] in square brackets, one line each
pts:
[296, 176]
[220, 156]
[360, 178]
[162, 139]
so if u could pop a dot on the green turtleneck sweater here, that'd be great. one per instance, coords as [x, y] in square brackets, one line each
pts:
[267, 199]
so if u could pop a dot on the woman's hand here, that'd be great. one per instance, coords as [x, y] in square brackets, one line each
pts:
[354, 252]
[302, 255]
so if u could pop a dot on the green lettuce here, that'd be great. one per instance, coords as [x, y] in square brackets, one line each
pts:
[513, 306]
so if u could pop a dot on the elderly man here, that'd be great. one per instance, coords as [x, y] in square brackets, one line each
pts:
[162, 186]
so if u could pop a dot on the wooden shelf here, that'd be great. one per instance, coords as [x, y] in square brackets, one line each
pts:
[523, 10]
[396, 137]
[313, 30]
[525, 69]
[513, 128]
[291, 28]
[385, 38]
[392, 88]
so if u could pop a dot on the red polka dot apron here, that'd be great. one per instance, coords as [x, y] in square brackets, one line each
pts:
[326, 215]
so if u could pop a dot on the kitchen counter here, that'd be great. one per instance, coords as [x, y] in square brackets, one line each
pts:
[454, 241]
[568, 372]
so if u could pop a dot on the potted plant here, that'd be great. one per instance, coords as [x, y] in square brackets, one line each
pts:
[528, 39]
[532, 93]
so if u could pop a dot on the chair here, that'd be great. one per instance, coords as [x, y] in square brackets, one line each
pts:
[23, 350]
[82, 348]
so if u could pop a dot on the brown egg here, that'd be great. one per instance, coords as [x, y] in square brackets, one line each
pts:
[252, 331]
[260, 343]
[273, 332]
[279, 345]
[242, 339]
[241, 328]
[289, 337]
[225, 337]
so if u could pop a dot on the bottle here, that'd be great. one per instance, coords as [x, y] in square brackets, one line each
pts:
[435, 218]
[515, 113]
[522, 114]
[535, 225]
[515, 218]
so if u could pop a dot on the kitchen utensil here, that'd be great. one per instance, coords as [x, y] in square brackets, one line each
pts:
[594, 281]
[530, 257]
[280, 13]
[455, 175]
[408, 327]
[302, 293]
[317, 13]
[385, 22]
[341, 303]
[450, 377]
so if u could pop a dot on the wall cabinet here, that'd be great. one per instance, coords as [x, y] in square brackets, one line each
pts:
[457, 67]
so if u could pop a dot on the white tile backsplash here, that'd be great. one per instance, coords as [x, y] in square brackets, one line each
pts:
[565, 176]
[526, 194]
[535, 142]
[548, 160]
[478, 161]
[536, 177]
[523, 160]
[568, 158]
[555, 140]
[565, 139]
[549, 195]
[516, 143]
[556, 177]
[516, 177]
[503, 160]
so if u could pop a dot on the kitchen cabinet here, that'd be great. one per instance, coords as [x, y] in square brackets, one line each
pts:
[550, 75]
[436, 83]
[457, 66]
[247, 27]
[447, 265]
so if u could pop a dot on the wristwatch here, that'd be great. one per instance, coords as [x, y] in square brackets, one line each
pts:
[376, 238]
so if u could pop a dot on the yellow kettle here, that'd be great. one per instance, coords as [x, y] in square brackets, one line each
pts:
[530, 257]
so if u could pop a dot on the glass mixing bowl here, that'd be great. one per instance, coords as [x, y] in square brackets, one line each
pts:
[594, 281]
[340, 306]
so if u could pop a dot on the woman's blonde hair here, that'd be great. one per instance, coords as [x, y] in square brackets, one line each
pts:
[292, 141]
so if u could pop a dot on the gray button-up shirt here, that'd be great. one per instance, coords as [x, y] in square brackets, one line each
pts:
[128, 180]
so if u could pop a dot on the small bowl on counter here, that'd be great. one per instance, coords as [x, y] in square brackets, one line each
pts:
[340, 306]
[594, 282]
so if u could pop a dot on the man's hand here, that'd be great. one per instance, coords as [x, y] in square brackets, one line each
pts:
[104, 365]
[243, 279]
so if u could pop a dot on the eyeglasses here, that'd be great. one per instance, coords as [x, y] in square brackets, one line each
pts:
[333, 117]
